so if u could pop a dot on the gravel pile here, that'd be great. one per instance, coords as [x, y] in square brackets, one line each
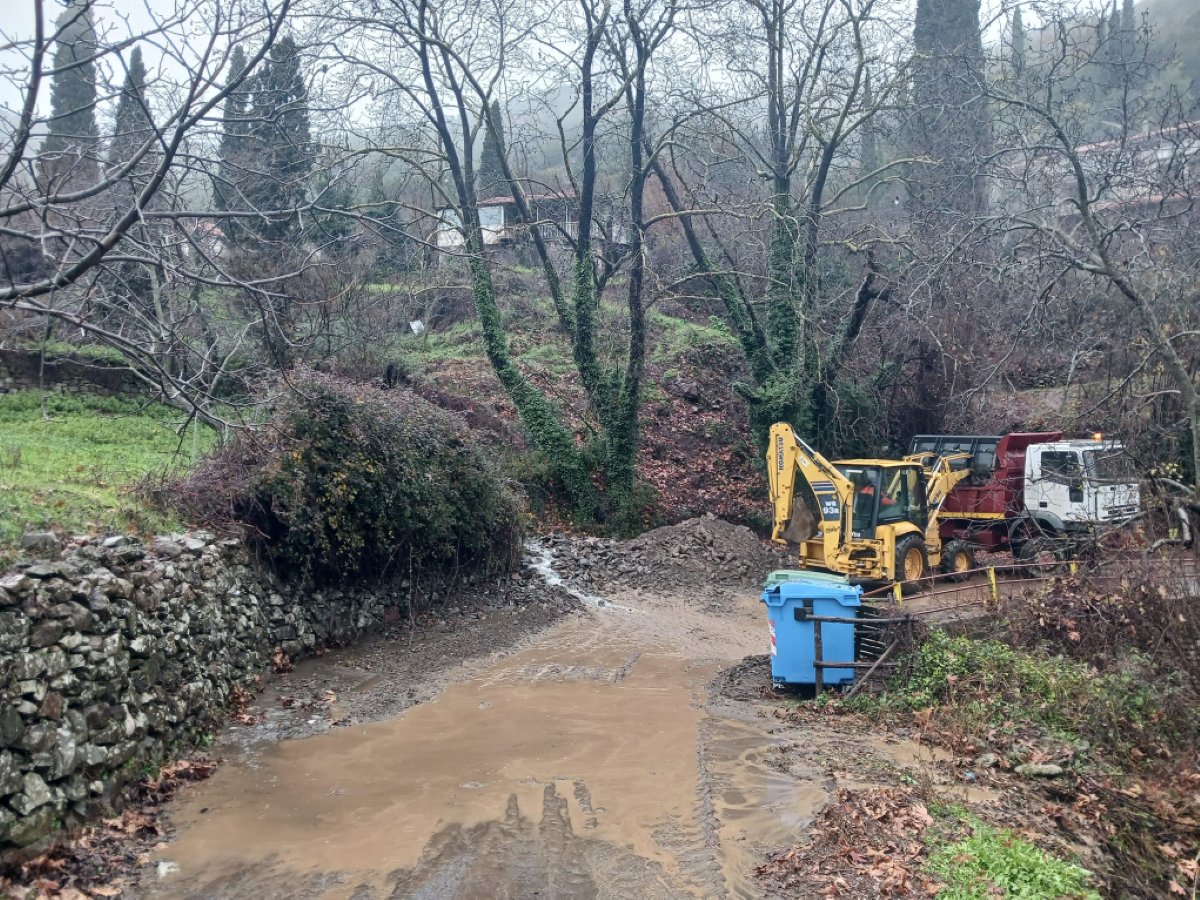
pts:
[697, 553]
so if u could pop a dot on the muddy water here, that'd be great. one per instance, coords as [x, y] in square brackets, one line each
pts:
[759, 805]
[573, 769]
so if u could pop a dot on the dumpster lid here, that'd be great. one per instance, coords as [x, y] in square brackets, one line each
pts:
[786, 576]
[823, 587]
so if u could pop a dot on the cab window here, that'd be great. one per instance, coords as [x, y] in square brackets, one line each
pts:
[1061, 466]
[1110, 466]
[903, 498]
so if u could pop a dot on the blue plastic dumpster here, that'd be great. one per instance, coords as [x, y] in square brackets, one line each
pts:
[793, 650]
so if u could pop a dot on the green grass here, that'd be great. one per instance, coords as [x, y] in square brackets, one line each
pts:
[76, 469]
[93, 352]
[674, 338]
[463, 340]
[992, 862]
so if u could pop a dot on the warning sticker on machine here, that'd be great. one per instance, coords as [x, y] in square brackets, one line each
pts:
[774, 649]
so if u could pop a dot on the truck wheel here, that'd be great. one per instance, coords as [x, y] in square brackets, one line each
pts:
[912, 562]
[957, 560]
[1041, 556]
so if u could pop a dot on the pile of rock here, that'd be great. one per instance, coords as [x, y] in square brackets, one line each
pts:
[697, 553]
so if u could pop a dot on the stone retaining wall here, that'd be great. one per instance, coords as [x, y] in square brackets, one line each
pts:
[117, 654]
[21, 370]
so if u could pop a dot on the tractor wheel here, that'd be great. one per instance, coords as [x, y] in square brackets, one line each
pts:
[1041, 557]
[957, 560]
[912, 562]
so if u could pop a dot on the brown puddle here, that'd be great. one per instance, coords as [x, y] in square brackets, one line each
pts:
[913, 754]
[761, 809]
[571, 768]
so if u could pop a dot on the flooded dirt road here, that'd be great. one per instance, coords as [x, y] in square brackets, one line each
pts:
[592, 763]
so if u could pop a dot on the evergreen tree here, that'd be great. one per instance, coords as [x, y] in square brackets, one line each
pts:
[133, 126]
[869, 152]
[951, 117]
[490, 180]
[279, 144]
[129, 283]
[1018, 42]
[234, 128]
[1116, 40]
[72, 137]
[1128, 42]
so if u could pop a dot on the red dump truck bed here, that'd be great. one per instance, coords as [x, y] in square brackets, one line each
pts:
[995, 490]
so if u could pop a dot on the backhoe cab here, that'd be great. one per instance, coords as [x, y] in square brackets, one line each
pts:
[872, 520]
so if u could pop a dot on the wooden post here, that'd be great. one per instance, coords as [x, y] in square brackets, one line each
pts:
[871, 671]
[818, 656]
[995, 588]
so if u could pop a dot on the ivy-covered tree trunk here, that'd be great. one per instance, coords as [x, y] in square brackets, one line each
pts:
[584, 298]
[622, 434]
[548, 435]
[773, 397]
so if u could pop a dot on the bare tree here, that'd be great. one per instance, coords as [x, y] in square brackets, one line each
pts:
[438, 69]
[1097, 184]
[806, 66]
[115, 240]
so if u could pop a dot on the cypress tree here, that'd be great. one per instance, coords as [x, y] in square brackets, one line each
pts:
[870, 146]
[234, 127]
[127, 282]
[133, 126]
[1123, 43]
[1116, 39]
[72, 137]
[279, 144]
[1128, 38]
[1018, 42]
[490, 180]
[951, 116]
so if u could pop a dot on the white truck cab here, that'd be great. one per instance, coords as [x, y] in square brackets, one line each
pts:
[1075, 485]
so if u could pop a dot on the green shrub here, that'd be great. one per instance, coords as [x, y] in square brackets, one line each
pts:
[993, 862]
[363, 484]
[988, 684]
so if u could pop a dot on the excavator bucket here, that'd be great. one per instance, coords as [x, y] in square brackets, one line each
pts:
[802, 525]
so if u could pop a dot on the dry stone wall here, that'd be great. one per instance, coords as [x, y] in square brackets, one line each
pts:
[113, 655]
[22, 370]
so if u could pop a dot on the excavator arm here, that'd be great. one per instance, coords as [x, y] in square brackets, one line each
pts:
[834, 492]
[940, 480]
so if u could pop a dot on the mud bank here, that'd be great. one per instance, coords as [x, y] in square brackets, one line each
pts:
[593, 762]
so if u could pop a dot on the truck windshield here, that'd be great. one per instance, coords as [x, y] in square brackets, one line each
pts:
[1109, 465]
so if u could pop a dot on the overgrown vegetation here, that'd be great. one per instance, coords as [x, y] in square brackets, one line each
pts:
[988, 862]
[1099, 681]
[989, 688]
[355, 484]
[76, 464]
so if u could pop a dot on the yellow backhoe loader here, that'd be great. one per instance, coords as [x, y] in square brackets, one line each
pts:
[872, 520]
